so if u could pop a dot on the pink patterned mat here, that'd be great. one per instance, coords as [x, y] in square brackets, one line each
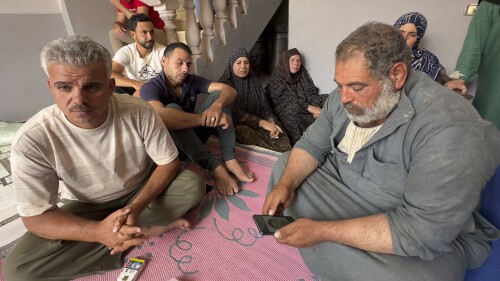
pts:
[224, 243]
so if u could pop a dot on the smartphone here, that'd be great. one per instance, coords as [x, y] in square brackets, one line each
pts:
[267, 225]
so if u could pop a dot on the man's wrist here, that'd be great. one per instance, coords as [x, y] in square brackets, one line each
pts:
[217, 105]
[138, 85]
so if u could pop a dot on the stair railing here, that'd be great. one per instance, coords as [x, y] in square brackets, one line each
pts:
[200, 44]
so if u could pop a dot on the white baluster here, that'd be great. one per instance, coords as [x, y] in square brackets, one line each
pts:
[168, 12]
[220, 18]
[243, 6]
[207, 22]
[231, 12]
[192, 33]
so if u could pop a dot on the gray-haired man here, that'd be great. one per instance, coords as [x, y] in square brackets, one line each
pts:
[385, 182]
[121, 176]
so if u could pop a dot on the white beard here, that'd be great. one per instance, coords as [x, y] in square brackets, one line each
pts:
[384, 104]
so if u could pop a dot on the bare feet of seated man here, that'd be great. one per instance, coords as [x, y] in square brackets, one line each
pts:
[144, 233]
[225, 183]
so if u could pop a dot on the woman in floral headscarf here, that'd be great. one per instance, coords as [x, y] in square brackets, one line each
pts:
[252, 115]
[413, 25]
[294, 96]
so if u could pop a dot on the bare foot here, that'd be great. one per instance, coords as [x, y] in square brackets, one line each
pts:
[234, 168]
[224, 182]
[150, 231]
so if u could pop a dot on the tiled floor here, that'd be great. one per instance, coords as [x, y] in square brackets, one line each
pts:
[11, 226]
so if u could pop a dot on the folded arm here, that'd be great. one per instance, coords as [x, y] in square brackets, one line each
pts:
[227, 95]
[175, 119]
[58, 224]
[122, 81]
[160, 180]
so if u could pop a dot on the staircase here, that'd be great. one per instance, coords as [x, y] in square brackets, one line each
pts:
[235, 24]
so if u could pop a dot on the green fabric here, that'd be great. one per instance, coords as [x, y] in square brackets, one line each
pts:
[480, 56]
[7, 132]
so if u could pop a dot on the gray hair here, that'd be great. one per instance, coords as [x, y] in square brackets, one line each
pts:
[381, 45]
[77, 51]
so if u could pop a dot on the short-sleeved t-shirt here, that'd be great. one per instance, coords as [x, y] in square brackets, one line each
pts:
[94, 165]
[137, 68]
[155, 17]
[157, 90]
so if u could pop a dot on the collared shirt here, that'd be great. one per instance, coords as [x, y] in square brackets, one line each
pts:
[158, 90]
[424, 168]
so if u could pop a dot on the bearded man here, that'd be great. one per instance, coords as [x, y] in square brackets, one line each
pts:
[384, 184]
[136, 63]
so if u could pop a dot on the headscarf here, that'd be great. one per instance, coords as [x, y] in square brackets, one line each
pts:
[251, 97]
[423, 60]
[299, 87]
[283, 66]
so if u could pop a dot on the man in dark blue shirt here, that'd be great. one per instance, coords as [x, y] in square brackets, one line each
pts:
[173, 95]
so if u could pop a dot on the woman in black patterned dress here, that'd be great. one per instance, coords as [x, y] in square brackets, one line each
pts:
[294, 96]
[253, 117]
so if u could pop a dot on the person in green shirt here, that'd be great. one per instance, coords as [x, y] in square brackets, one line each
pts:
[480, 56]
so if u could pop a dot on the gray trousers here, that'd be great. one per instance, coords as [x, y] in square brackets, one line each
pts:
[190, 141]
[319, 198]
[37, 258]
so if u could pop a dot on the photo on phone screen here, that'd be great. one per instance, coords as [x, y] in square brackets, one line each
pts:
[267, 225]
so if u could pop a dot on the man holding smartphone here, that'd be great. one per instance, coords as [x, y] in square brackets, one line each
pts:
[377, 183]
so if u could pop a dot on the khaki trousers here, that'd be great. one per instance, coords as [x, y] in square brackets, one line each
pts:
[37, 258]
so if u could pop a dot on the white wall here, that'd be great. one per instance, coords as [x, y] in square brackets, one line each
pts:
[93, 18]
[27, 26]
[316, 27]
[30, 7]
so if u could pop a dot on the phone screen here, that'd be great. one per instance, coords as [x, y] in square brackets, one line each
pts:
[267, 225]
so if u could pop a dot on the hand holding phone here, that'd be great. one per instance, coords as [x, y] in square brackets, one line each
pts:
[267, 225]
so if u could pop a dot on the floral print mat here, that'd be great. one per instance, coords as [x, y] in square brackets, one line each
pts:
[224, 243]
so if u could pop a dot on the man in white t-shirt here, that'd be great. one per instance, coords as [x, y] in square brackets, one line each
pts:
[121, 180]
[136, 63]
[119, 35]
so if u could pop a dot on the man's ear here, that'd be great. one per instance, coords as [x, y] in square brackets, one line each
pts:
[112, 84]
[398, 74]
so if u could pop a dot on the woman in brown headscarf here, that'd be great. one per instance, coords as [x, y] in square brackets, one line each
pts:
[293, 95]
[253, 117]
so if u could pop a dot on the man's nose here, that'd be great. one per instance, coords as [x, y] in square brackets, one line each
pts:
[346, 96]
[78, 96]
